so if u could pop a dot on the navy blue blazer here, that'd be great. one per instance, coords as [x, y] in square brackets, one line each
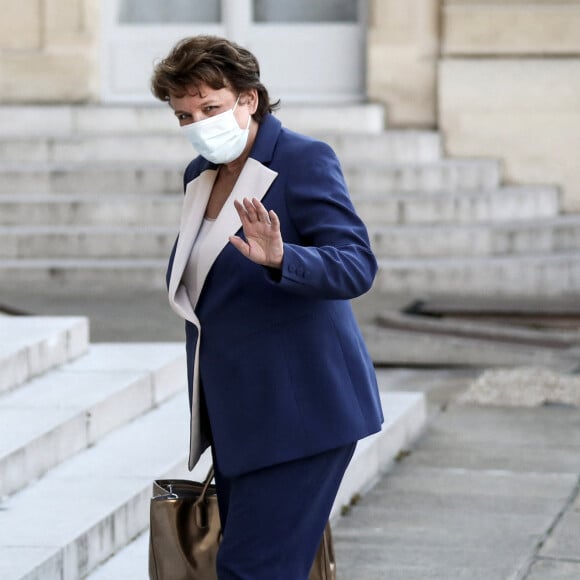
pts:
[282, 363]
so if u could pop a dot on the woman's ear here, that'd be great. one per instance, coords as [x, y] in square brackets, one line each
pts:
[250, 98]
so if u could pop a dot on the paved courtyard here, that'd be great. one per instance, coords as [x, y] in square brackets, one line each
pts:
[489, 491]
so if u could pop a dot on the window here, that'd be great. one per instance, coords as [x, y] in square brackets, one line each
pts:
[305, 11]
[169, 11]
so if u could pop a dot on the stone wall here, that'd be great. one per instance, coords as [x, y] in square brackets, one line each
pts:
[49, 51]
[509, 87]
[402, 52]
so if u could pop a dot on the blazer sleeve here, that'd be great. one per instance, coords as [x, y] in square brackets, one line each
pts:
[333, 259]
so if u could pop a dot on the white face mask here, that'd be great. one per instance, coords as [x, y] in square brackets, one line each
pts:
[219, 138]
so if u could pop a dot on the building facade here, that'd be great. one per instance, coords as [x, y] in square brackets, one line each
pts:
[499, 79]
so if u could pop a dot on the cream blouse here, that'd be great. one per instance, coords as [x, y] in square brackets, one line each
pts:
[190, 273]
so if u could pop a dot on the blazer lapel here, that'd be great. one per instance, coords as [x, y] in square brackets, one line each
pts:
[194, 203]
[254, 181]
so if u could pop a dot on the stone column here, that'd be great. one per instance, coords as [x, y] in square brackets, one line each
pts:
[403, 50]
[49, 51]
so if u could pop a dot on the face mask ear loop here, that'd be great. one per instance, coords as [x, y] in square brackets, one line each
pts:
[249, 114]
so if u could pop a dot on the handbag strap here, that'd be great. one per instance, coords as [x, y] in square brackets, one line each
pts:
[206, 484]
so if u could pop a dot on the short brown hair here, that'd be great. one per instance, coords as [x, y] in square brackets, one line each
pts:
[213, 61]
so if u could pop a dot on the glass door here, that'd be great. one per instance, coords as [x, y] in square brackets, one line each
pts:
[309, 50]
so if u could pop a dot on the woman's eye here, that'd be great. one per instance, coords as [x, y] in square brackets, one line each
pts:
[183, 116]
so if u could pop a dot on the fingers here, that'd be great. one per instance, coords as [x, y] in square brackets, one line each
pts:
[240, 245]
[274, 220]
[261, 211]
[253, 211]
[263, 241]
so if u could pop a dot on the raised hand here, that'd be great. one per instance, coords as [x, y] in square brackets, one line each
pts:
[263, 244]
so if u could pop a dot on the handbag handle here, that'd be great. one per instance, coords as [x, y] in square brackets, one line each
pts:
[200, 508]
[206, 484]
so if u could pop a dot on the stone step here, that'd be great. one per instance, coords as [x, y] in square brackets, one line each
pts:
[389, 241]
[93, 178]
[479, 239]
[445, 175]
[85, 509]
[107, 489]
[110, 210]
[386, 147]
[505, 204]
[363, 117]
[464, 207]
[86, 241]
[32, 345]
[98, 274]
[69, 409]
[541, 276]
[526, 276]
[38, 120]
[405, 416]
[389, 147]
[113, 147]
[404, 419]
[159, 177]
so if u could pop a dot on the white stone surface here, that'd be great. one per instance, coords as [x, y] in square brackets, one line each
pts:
[529, 276]
[447, 174]
[462, 207]
[98, 178]
[367, 118]
[104, 492]
[54, 416]
[402, 53]
[100, 274]
[167, 177]
[79, 209]
[525, 111]
[405, 146]
[14, 367]
[129, 564]
[165, 362]
[131, 147]
[16, 121]
[523, 236]
[405, 415]
[70, 241]
[508, 28]
[155, 241]
[30, 345]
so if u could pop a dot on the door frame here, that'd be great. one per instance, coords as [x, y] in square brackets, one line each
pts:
[237, 25]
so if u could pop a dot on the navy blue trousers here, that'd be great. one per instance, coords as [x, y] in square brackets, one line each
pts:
[273, 519]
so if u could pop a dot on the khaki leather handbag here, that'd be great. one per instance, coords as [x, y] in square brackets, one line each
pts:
[185, 533]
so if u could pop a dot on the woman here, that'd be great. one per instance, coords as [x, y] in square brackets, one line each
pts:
[269, 252]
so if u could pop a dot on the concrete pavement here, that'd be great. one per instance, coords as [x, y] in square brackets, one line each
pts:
[487, 493]
[134, 315]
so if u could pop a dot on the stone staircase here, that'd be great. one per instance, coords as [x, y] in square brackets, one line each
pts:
[92, 195]
[84, 430]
